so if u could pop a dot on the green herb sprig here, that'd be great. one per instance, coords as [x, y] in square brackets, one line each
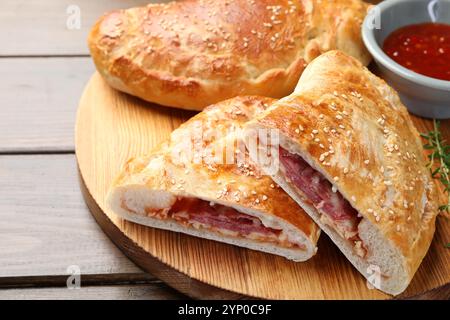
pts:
[439, 160]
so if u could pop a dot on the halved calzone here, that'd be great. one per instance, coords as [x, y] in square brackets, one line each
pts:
[351, 157]
[201, 182]
[190, 54]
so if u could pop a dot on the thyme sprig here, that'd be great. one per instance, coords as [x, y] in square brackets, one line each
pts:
[439, 160]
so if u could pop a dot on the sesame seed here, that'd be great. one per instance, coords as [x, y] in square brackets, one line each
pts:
[353, 198]
[370, 210]
[272, 185]
[366, 161]
[388, 183]
[345, 170]
[377, 218]
[336, 178]
[264, 197]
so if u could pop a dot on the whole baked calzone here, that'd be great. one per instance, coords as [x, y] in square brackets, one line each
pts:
[190, 54]
[350, 155]
[201, 182]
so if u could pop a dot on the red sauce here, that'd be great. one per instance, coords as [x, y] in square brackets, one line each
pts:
[423, 48]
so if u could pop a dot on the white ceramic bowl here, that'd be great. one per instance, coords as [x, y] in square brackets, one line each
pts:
[422, 95]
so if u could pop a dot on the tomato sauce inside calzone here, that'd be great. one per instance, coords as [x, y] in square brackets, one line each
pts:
[335, 210]
[228, 221]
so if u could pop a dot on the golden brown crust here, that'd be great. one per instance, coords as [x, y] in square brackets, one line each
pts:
[173, 169]
[357, 132]
[193, 53]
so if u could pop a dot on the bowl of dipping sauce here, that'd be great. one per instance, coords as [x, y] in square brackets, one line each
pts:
[410, 42]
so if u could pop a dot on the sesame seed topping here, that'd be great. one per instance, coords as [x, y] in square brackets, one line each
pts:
[336, 178]
[353, 198]
[264, 197]
[345, 170]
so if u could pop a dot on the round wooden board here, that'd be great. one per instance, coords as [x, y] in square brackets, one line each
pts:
[112, 127]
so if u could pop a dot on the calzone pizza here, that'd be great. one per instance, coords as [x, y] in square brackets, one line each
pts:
[193, 53]
[350, 155]
[201, 182]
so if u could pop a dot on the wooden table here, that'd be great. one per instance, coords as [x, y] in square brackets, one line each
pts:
[45, 226]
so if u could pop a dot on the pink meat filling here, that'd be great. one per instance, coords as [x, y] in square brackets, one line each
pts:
[221, 217]
[319, 192]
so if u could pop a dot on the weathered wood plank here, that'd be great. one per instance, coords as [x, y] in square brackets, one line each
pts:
[85, 280]
[39, 99]
[40, 27]
[137, 292]
[45, 226]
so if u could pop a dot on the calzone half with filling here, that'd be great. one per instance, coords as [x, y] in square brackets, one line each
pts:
[350, 155]
[201, 182]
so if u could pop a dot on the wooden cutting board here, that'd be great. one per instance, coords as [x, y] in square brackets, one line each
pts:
[112, 127]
